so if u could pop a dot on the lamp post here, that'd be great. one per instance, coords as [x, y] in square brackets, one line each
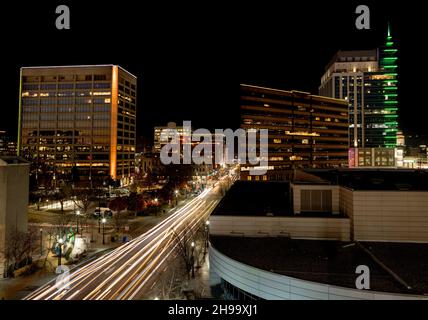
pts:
[41, 241]
[60, 242]
[77, 219]
[176, 197]
[192, 259]
[104, 222]
[207, 234]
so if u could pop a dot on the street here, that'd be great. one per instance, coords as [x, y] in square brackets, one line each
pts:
[125, 272]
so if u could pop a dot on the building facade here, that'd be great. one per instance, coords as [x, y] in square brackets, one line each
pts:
[81, 117]
[14, 186]
[367, 79]
[170, 128]
[375, 157]
[304, 130]
[7, 145]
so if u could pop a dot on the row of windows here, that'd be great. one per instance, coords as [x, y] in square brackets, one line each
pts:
[49, 124]
[64, 143]
[69, 109]
[64, 101]
[51, 94]
[66, 86]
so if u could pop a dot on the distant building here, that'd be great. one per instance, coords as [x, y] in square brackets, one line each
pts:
[81, 117]
[304, 130]
[171, 126]
[374, 157]
[7, 145]
[147, 162]
[367, 79]
[14, 186]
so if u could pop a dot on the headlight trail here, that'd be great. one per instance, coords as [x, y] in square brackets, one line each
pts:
[124, 272]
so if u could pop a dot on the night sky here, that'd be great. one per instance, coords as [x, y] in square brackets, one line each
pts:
[190, 57]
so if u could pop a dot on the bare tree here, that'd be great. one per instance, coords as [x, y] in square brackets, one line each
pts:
[168, 287]
[19, 248]
[118, 205]
[185, 250]
[82, 200]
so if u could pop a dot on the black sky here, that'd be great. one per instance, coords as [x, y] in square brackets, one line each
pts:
[190, 57]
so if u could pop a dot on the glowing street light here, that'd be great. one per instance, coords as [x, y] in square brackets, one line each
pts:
[77, 219]
[104, 220]
[192, 259]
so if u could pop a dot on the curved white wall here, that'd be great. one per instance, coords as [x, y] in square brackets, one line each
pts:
[272, 286]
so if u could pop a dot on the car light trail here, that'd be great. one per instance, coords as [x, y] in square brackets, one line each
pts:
[131, 266]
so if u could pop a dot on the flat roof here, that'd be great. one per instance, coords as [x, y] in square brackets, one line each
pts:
[376, 179]
[7, 160]
[298, 92]
[80, 66]
[252, 198]
[262, 198]
[333, 262]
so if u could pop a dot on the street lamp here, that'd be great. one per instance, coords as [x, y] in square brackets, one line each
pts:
[207, 233]
[192, 259]
[104, 222]
[60, 242]
[41, 241]
[176, 197]
[77, 219]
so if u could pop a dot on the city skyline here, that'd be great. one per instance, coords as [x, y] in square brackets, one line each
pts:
[206, 152]
[176, 70]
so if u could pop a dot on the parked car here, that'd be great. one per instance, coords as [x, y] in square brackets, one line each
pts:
[102, 212]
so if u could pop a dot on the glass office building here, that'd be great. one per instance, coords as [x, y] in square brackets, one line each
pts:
[367, 79]
[79, 119]
[304, 130]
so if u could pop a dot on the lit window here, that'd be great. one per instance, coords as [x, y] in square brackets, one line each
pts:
[276, 140]
[249, 178]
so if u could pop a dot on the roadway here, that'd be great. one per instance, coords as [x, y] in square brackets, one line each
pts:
[125, 272]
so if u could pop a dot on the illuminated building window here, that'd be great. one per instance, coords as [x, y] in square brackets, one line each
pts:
[305, 141]
[249, 178]
[276, 140]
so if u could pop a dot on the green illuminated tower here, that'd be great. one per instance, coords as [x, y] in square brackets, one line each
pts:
[381, 96]
[388, 64]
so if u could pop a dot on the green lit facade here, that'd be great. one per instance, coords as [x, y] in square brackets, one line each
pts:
[381, 97]
[367, 79]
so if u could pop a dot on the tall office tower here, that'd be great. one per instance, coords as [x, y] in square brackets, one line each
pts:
[79, 121]
[304, 130]
[382, 124]
[367, 79]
